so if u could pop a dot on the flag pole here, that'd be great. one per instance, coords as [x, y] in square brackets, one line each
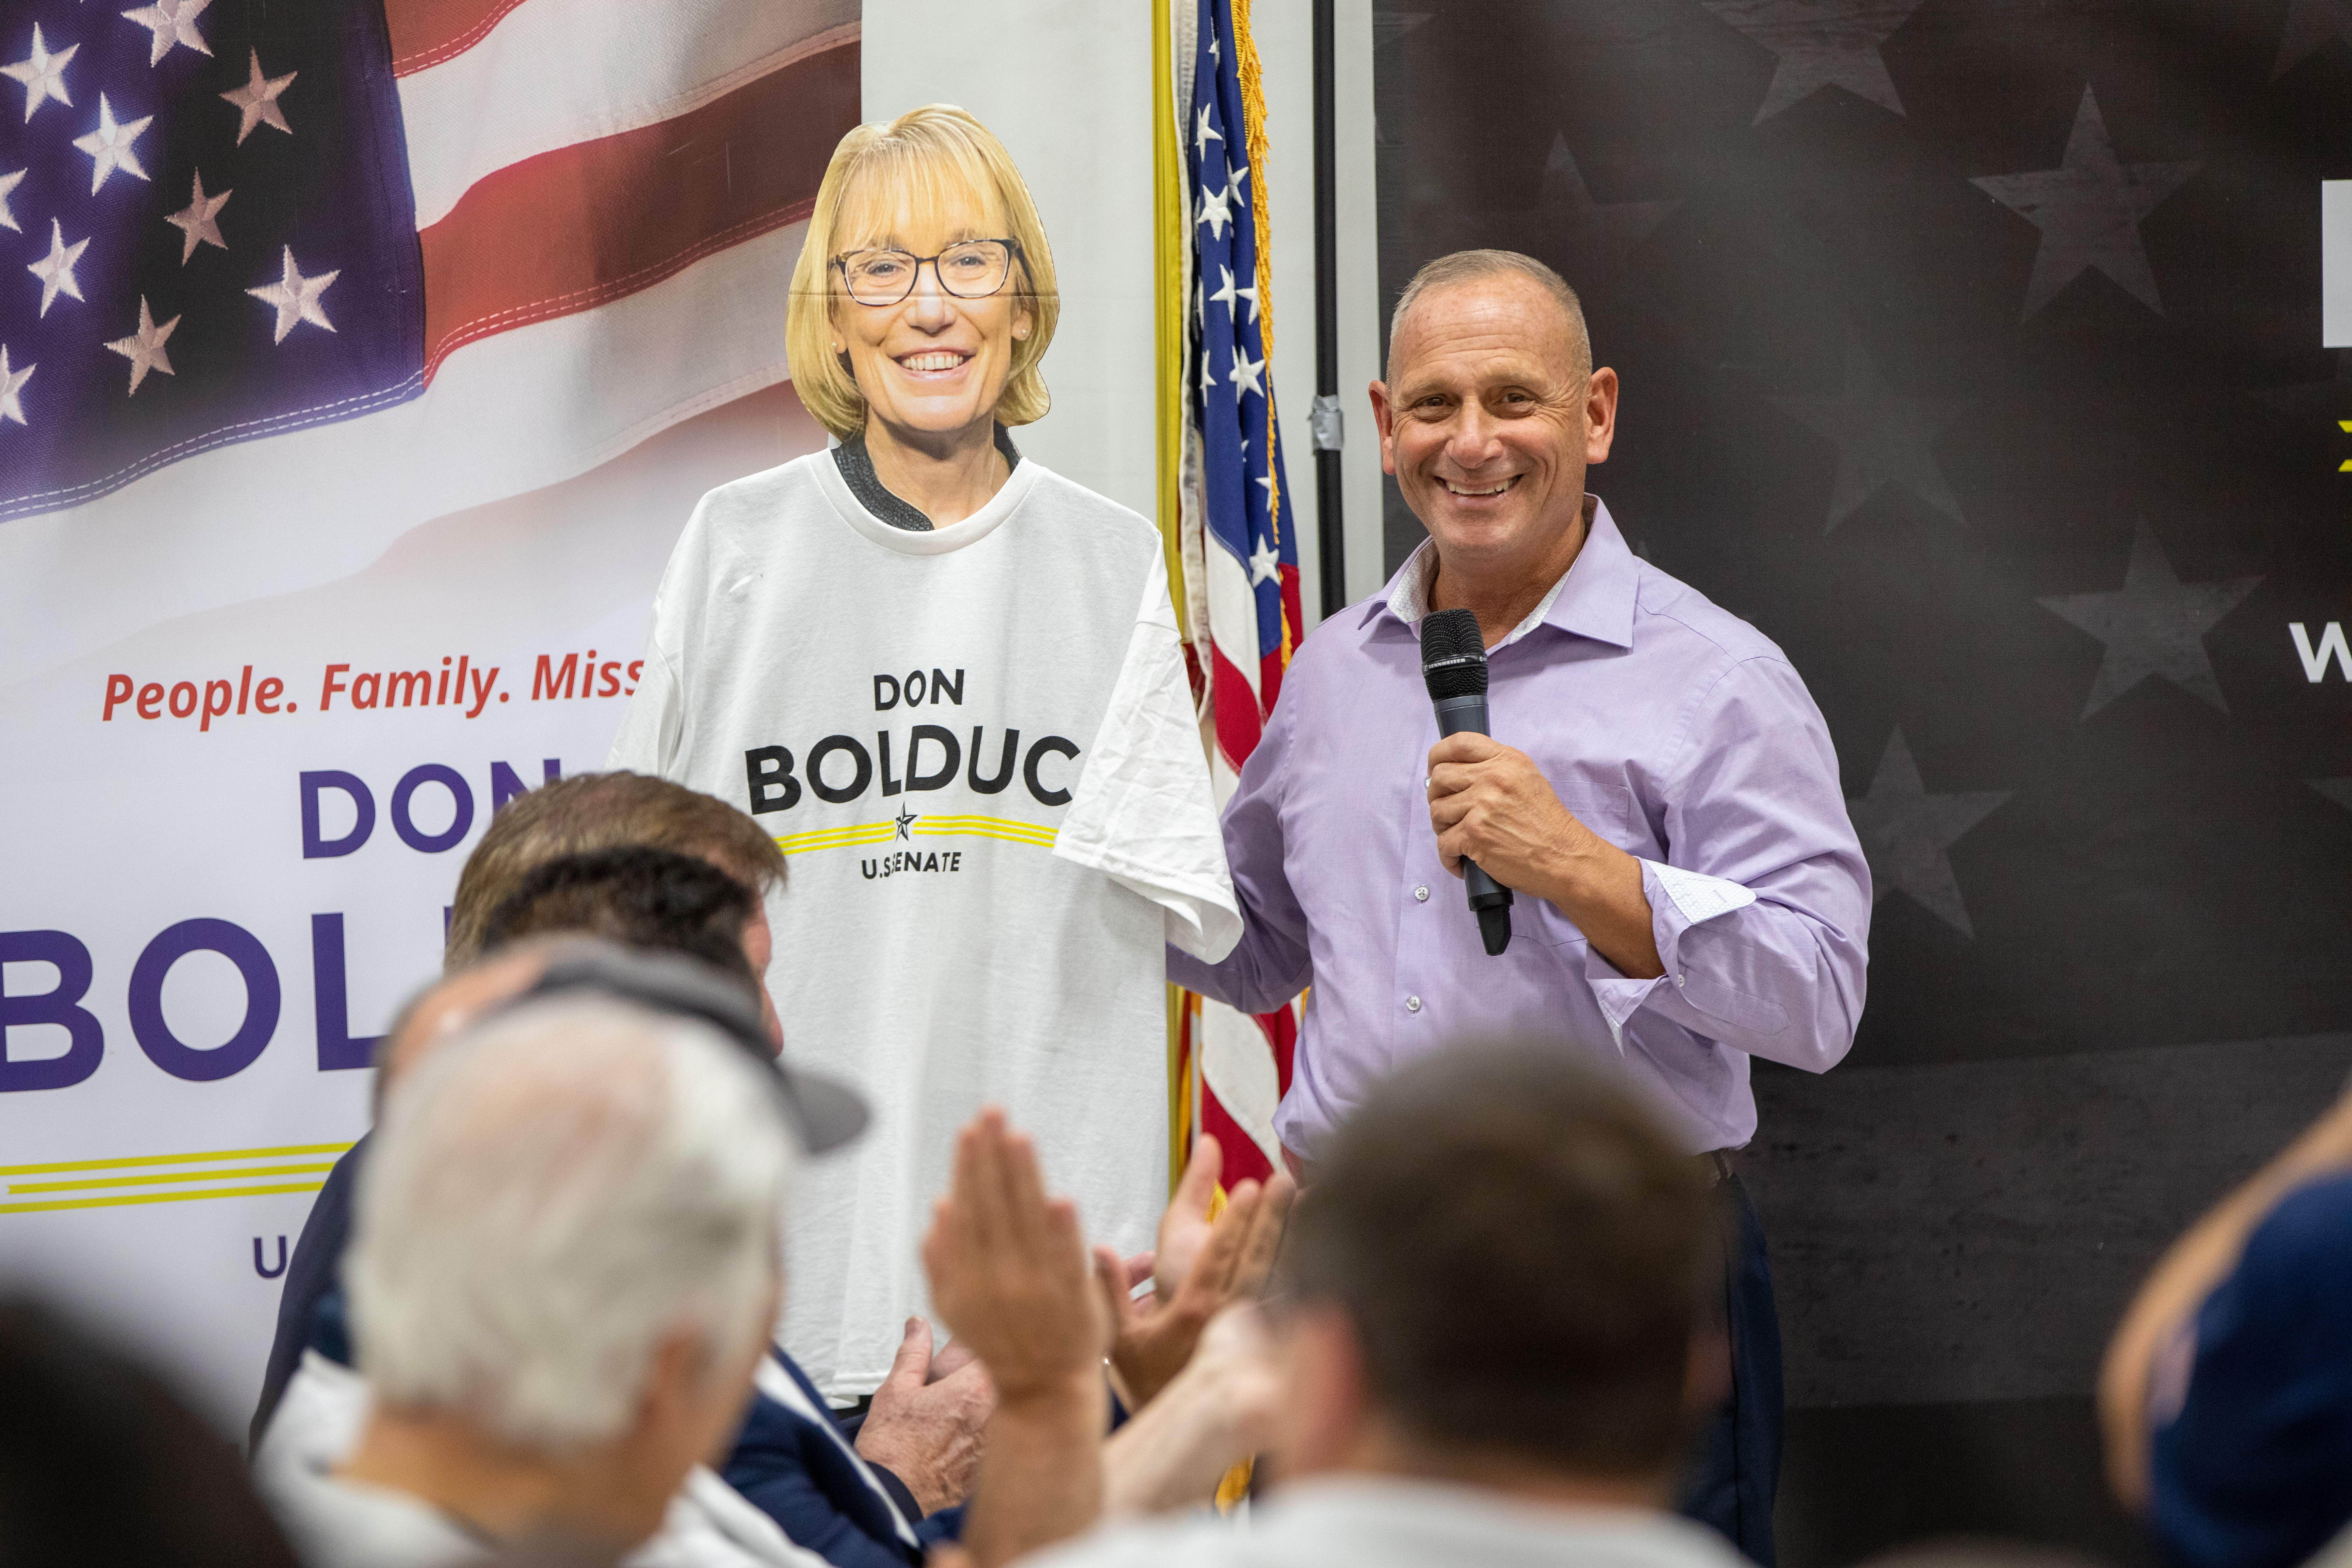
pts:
[1325, 422]
[1168, 323]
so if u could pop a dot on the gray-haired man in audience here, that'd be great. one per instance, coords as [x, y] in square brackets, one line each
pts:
[563, 1272]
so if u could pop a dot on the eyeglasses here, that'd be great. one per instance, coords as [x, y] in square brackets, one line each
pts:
[972, 271]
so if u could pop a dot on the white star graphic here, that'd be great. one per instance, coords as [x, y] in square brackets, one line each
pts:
[1907, 833]
[2089, 210]
[2155, 624]
[1214, 211]
[172, 22]
[1266, 483]
[1881, 437]
[1208, 371]
[1224, 296]
[144, 348]
[43, 74]
[56, 270]
[256, 100]
[1820, 43]
[1244, 374]
[196, 221]
[1205, 134]
[297, 298]
[1234, 178]
[1264, 562]
[1250, 294]
[109, 146]
[12, 382]
[9, 183]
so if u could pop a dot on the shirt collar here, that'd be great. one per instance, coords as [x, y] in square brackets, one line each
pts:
[1593, 598]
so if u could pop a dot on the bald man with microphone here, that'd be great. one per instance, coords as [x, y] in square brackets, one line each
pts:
[1659, 797]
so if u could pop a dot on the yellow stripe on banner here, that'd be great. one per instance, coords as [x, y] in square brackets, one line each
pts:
[834, 837]
[158, 1198]
[88, 1182]
[174, 1159]
[985, 828]
[942, 827]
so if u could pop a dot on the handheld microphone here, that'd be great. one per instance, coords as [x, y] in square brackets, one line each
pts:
[1453, 668]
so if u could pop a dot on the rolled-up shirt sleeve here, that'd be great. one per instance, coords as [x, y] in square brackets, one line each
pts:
[1270, 964]
[1761, 909]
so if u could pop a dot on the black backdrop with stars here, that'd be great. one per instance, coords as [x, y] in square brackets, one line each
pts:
[1971, 348]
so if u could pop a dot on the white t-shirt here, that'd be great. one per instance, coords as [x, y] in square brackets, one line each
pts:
[336, 1523]
[978, 748]
[1396, 1522]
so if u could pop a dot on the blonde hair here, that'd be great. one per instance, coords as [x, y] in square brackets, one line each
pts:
[923, 159]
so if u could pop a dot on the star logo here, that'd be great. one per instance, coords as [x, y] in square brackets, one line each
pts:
[1907, 833]
[1245, 372]
[2309, 25]
[12, 382]
[2088, 210]
[196, 222]
[56, 270]
[256, 100]
[9, 183]
[297, 298]
[110, 147]
[905, 820]
[1881, 438]
[172, 22]
[1818, 44]
[43, 74]
[144, 348]
[2154, 625]
[1265, 564]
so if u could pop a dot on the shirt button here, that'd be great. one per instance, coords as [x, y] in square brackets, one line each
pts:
[1412, 1003]
[1421, 895]
[1678, 979]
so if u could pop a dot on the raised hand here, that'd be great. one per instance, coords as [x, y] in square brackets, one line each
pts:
[1230, 1261]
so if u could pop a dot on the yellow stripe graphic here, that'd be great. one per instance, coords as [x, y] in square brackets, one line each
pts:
[167, 1179]
[159, 1197]
[940, 827]
[174, 1159]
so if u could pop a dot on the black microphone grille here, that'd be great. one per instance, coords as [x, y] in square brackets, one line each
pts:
[1453, 654]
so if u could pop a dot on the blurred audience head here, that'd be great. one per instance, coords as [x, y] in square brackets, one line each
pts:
[1496, 1276]
[101, 1464]
[566, 1248]
[605, 811]
[637, 896]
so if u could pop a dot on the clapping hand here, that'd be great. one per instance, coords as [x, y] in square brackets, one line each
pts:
[1008, 1269]
[1201, 1267]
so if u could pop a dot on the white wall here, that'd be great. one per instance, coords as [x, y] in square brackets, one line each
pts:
[1066, 84]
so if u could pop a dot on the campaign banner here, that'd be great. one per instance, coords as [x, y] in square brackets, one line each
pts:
[357, 373]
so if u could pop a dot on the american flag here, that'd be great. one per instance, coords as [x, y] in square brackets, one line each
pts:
[282, 279]
[1247, 555]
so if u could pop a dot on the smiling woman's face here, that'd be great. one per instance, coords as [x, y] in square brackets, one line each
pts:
[932, 363]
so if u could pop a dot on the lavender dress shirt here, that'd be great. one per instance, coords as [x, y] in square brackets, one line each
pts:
[1666, 725]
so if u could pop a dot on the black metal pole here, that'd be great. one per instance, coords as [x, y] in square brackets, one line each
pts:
[1327, 423]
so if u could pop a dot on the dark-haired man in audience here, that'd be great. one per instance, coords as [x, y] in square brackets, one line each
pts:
[1489, 1319]
[647, 897]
